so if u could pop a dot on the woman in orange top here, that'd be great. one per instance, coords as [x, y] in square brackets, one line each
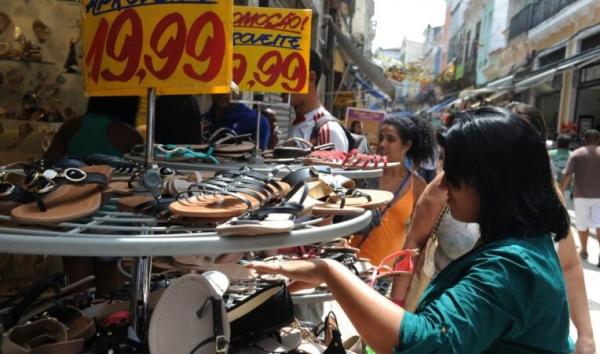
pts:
[399, 138]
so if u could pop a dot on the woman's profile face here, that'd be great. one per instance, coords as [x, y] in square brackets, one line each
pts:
[391, 145]
[463, 201]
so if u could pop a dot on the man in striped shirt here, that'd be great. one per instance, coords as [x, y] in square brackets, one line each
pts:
[309, 110]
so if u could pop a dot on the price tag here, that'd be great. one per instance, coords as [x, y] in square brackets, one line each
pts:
[177, 47]
[271, 49]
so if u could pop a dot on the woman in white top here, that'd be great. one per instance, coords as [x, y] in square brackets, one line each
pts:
[456, 238]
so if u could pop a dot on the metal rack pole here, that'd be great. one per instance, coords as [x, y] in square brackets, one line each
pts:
[150, 128]
[140, 292]
[142, 270]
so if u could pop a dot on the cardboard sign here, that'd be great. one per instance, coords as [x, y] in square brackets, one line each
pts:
[177, 47]
[271, 49]
[364, 114]
[369, 121]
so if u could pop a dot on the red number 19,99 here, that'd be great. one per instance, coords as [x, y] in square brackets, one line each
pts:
[163, 57]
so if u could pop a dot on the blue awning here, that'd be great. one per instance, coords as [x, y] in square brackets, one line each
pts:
[368, 88]
[438, 107]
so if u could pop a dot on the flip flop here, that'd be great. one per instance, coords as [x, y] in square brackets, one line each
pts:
[68, 199]
[364, 198]
[228, 141]
[297, 147]
[265, 221]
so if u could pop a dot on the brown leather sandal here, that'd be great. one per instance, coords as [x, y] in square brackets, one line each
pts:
[63, 195]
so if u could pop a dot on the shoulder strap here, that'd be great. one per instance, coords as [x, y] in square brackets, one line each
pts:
[319, 124]
[436, 227]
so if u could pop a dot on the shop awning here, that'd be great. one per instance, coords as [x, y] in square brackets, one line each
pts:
[579, 61]
[575, 62]
[502, 83]
[368, 88]
[468, 93]
[372, 72]
[496, 96]
[535, 79]
[440, 106]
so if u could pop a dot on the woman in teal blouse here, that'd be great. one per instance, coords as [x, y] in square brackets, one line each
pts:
[505, 296]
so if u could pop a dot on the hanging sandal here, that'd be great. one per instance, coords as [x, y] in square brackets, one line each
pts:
[63, 195]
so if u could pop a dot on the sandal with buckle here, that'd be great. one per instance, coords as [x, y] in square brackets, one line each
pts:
[63, 195]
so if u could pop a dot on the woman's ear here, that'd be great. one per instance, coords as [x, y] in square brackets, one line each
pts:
[407, 145]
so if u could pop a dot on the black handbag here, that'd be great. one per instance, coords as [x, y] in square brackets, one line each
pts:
[268, 309]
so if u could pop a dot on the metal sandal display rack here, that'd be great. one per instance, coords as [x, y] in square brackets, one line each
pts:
[110, 233]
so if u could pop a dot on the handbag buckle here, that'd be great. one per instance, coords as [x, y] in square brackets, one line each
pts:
[221, 344]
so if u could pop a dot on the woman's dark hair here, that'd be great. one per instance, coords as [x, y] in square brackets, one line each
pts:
[416, 130]
[354, 124]
[315, 65]
[178, 120]
[505, 159]
[121, 108]
[531, 114]
[563, 141]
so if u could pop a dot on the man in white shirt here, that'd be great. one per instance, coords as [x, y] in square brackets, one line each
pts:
[309, 110]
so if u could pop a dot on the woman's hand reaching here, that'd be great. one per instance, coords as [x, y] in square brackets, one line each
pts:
[310, 271]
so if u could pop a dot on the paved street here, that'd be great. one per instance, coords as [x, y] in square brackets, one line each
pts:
[592, 282]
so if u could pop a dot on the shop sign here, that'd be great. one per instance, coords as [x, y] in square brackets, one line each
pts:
[344, 98]
[177, 47]
[271, 49]
[364, 115]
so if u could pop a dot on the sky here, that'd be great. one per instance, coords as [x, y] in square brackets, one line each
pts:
[397, 19]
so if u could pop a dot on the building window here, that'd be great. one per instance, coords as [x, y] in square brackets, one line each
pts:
[552, 57]
[590, 42]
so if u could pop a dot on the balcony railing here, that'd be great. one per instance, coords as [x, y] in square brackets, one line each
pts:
[520, 22]
[534, 14]
[543, 10]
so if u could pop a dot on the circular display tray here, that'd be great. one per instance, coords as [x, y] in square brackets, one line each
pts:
[317, 296]
[111, 233]
[260, 167]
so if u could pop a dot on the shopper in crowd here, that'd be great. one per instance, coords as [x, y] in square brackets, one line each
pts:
[309, 110]
[507, 294]
[274, 128]
[236, 116]
[399, 138]
[585, 164]
[560, 155]
[178, 120]
[108, 127]
[456, 238]
[356, 127]
[428, 167]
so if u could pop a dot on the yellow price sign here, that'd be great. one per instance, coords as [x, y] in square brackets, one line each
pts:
[177, 47]
[271, 49]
